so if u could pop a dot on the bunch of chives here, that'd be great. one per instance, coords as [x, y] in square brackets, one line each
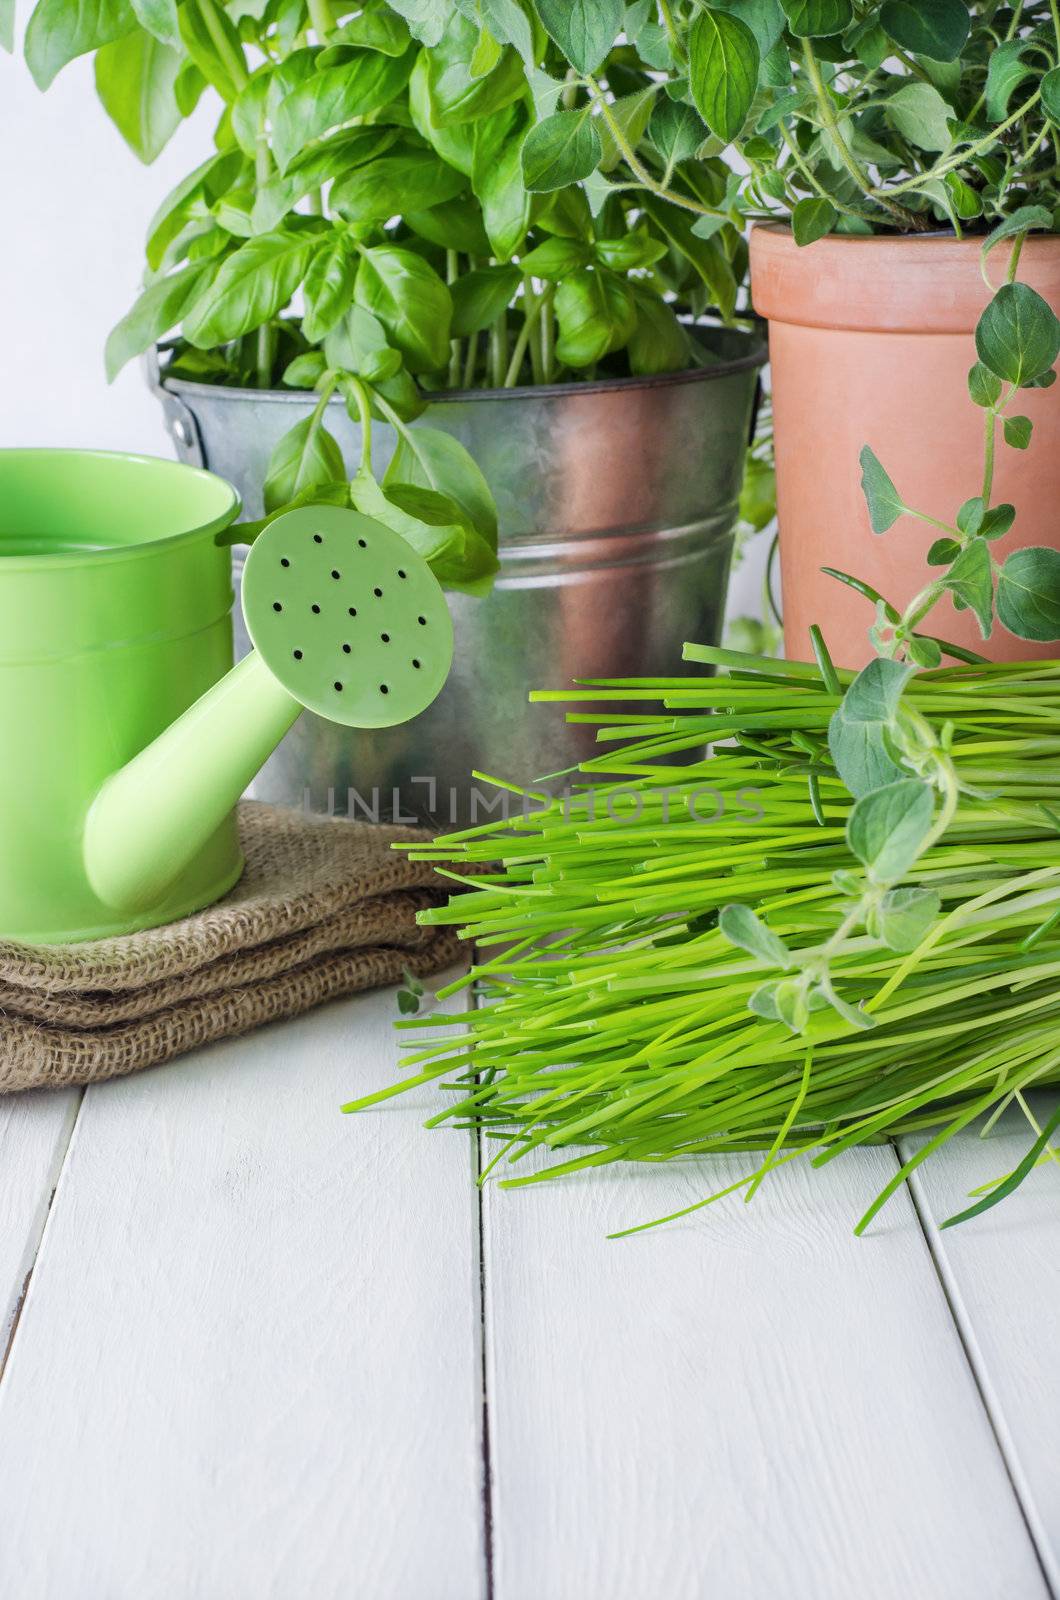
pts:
[614, 1023]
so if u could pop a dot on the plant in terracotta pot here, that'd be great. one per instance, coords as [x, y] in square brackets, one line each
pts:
[886, 140]
[422, 272]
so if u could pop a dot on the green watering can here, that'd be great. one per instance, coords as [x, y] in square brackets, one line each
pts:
[126, 735]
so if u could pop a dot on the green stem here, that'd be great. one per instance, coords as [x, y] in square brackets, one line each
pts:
[811, 178]
[265, 347]
[317, 419]
[636, 166]
[472, 361]
[548, 334]
[676, 42]
[519, 349]
[321, 18]
[452, 272]
[357, 388]
[1054, 12]
[988, 454]
[824, 104]
[959, 160]
[233, 60]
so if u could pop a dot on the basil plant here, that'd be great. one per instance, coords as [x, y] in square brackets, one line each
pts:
[409, 197]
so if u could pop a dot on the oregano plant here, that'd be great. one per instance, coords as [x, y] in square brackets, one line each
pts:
[890, 756]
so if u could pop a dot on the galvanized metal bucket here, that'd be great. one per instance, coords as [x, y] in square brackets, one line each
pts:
[617, 504]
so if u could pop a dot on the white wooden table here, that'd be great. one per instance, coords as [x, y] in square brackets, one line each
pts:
[257, 1350]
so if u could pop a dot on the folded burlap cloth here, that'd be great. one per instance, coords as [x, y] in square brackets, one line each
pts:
[324, 908]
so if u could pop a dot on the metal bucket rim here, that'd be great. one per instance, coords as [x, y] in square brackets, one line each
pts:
[756, 357]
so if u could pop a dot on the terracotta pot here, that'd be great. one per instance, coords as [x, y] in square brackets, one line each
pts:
[870, 342]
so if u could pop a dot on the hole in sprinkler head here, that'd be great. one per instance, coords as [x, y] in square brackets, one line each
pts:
[378, 593]
[297, 654]
[402, 573]
[276, 606]
[353, 611]
[422, 621]
[335, 574]
[363, 543]
[346, 649]
[385, 638]
[338, 685]
[415, 663]
[284, 561]
[317, 538]
[384, 688]
[316, 610]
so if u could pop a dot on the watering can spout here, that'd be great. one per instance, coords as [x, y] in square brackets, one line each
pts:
[154, 816]
[347, 620]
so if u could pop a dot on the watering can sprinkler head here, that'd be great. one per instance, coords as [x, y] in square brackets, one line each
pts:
[346, 620]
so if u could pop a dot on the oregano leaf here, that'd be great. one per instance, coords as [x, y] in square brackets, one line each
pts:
[881, 496]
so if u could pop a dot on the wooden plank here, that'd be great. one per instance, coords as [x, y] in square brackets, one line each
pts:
[249, 1363]
[1002, 1275]
[35, 1131]
[750, 1402]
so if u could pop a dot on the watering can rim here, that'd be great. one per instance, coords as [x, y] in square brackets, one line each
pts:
[143, 548]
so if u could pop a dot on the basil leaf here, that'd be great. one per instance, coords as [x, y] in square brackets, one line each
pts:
[905, 916]
[813, 19]
[706, 257]
[497, 179]
[431, 459]
[331, 158]
[659, 342]
[382, 188]
[328, 287]
[555, 258]
[1018, 335]
[723, 60]
[881, 496]
[252, 286]
[185, 210]
[888, 828]
[562, 149]
[58, 31]
[160, 308]
[134, 80]
[1028, 593]
[454, 94]
[740, 925]
[506, 21]
[225, 69]
[411, 302]
[812, 219]
[479, 298]
[432, 523]
[358, 344]
[334, 95]
[584, 30]
[453, 225]
[596, 314]
[377, 30]
[971, 582]
[935, 28]
[304, 458]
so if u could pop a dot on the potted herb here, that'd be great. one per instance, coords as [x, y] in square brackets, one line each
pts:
[422, 272]
[888, 139]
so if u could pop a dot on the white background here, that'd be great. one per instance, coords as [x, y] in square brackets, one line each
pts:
[77, 203]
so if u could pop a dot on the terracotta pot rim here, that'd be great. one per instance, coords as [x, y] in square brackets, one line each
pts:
[886, 283]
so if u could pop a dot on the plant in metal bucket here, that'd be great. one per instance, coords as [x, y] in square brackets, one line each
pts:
[842, 925]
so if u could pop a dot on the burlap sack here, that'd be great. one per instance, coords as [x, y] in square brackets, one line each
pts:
[324, 908]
